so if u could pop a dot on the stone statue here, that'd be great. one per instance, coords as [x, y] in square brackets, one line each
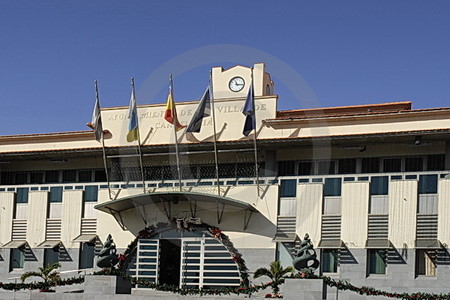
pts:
[107, 258]
[306, 261]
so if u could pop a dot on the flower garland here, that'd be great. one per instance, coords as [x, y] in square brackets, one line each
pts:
[370, 291]
[41, 285]
[339, 284]
[186, 291]
[188, 224]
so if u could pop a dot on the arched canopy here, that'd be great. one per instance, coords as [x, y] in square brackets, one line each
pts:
[164, 201]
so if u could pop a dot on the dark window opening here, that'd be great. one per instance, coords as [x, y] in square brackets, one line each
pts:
[325, 167]
[347, 166]
[286, 168]
[370, 165]
[413, 164]
[436, 162]
[392, 165]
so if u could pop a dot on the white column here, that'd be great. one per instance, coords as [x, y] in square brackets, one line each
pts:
[37, 217]
[402, 213]
[72, 208]
[6, 216]
[443, 211]
[354, 213]
[309, 210]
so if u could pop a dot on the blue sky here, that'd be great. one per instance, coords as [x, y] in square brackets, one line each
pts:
[345, 52]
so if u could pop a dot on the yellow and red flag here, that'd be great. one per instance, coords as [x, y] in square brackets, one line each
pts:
[171, 112]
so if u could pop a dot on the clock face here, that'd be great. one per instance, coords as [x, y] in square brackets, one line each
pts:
[236, 84]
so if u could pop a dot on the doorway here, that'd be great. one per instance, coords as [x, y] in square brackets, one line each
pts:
[169, 261]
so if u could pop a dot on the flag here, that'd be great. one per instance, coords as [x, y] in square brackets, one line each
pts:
[171, 112]
[249, 112]
[203, 111]
[96, 122]
[133, 125]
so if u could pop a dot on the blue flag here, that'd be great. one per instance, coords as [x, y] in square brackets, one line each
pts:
[249, 113]
[133, 125]
[203, 111]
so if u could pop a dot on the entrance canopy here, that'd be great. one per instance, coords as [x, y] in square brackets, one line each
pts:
[197, 203]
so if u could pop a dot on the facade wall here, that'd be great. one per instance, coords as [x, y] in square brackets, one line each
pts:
[305, 202]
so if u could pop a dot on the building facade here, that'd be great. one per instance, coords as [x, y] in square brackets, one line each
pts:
[368, 183]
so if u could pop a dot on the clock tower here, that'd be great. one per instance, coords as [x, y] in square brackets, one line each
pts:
[235, 82]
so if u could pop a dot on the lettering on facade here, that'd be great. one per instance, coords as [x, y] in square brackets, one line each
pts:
[183, 112]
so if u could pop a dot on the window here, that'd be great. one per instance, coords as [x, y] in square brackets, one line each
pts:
[188, 172]
[209, 172]
[370, 165]
[56, 194]
[288, 188]
[85, 176]
[52, 176]
[51, 256]
[392, 165]
[87, 252]
[22, 195]
[36, 177]
[69, 176]
[379, 185]
[413, 164]
[332, 187]
[347, 166]
[21, 177]
[428, 184]
[376, 261]
[225, 171]
[305, 168]
[425, 262]
[7, 178]
[91, 193]
[100, 176]
[168, 172]
[436, 162]
[17, 259]
[325, 167]
[330, 260]
[286, 168]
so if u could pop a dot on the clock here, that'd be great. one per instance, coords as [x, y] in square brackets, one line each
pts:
[236, 84]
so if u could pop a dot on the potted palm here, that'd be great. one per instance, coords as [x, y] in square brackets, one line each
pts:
[277, 274]
[48, 273]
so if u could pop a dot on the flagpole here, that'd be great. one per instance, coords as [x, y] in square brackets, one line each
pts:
[139, 138]
[254, 139]
[103, 145]
[213, 112]
[175, 122]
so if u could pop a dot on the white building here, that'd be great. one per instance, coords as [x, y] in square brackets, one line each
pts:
[367, 183]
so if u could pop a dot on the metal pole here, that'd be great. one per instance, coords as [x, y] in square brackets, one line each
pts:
[139, 139]
[254, 139]
[175, 121]
[103, 143]
[213, 114]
